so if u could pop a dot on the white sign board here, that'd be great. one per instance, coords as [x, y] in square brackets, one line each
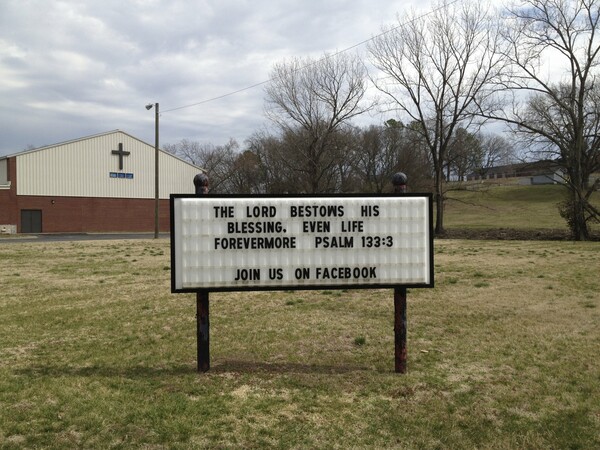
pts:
[266, 242]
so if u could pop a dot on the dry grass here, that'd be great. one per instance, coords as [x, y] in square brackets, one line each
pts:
[494, 205]
[95, 353]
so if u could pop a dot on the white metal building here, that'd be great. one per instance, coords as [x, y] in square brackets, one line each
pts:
[100, 183]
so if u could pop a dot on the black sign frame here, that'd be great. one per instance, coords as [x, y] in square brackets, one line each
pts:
[288, 287]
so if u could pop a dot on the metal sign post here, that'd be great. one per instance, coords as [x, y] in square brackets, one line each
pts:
[225, 243]
[400, 352]
[202, 305]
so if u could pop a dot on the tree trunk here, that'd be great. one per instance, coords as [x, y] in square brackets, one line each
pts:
[579, 227]
[439, 202]
[576, 218]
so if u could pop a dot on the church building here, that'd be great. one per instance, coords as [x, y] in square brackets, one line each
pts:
[100, 183]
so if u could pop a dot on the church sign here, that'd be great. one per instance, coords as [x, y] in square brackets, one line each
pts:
[236, 243]
[121, 153]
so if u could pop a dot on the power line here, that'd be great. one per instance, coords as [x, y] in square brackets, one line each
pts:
[247, 88]
[218, 97]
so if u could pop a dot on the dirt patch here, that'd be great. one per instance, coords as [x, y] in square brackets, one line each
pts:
[504, 234]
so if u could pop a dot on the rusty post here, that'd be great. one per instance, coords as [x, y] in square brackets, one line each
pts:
[202, 330]
[400, 329]
[399, 181]
[202, 305]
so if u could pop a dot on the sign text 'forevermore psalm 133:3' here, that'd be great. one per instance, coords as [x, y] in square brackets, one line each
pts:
[266, 242]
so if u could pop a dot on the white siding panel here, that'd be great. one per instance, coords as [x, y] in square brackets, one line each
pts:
[179, 177]
[3, 172]
[82, 169]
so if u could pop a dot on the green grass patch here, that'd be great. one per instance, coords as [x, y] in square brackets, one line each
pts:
[490, 206]
[360, 340]
[98, 353]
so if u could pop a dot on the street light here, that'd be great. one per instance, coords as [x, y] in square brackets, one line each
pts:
[149, 107]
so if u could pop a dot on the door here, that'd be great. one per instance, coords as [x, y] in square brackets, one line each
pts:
[31, 221]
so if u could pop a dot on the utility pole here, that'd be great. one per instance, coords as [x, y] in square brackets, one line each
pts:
[156, 190]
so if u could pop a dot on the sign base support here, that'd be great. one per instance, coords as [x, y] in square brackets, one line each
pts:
[202, 331]
[400, 329]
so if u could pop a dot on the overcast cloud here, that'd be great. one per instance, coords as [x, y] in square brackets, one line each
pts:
[75, 68]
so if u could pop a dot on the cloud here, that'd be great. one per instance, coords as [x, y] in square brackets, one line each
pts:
[73, 68]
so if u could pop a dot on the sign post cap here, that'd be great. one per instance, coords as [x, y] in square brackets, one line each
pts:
[201, 183]
[399, 179]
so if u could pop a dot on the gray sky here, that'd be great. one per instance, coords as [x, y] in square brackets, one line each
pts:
[74, 68]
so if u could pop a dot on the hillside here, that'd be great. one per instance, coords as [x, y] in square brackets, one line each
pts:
[509, 210]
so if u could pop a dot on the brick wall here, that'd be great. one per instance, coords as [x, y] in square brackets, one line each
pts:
[81, 214]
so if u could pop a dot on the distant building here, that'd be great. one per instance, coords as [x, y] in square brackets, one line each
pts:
[100, 183]
[536, 172]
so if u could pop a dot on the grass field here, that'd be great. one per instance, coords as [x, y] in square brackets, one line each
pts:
[489, 206]
[95, 352]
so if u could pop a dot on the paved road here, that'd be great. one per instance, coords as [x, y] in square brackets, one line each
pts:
[77, 237]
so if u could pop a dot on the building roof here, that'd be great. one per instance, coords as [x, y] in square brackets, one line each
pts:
[94, 136]
[528, 167]
[522, 169]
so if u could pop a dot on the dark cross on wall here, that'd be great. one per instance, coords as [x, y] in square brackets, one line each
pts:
[121, 153]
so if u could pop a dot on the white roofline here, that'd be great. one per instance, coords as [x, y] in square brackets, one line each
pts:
[93, 136]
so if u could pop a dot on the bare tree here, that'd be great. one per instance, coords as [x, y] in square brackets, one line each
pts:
[191, 151]
[384, 150]
[559, 118]
[313, 100]
[494, 150]
[436, 66]
[247, 176]
[377, 156]
[277, 172]
[218, 161]
[463, 150]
